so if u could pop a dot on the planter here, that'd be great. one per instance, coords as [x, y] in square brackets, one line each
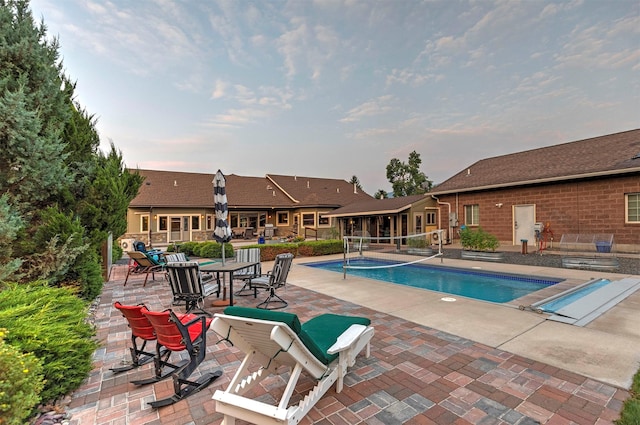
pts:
[482, 255]
[420, 251]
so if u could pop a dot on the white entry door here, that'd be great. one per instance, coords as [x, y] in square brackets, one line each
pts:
[524, 217]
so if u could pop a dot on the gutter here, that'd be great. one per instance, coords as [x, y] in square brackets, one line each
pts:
[450, 229]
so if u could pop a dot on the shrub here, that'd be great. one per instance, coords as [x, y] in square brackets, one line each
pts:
[417, 243]
[211, 249]
[50, 323]
[116, 252]
[313, 248]
[268, 252]
[187, 248]
[478, 240]
[20, 383]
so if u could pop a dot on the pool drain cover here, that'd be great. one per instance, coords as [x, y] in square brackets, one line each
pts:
[448, 299]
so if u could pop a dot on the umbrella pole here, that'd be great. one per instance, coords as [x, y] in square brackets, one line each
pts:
[223, 253]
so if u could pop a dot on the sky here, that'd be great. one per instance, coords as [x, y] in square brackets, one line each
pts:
[337, 88]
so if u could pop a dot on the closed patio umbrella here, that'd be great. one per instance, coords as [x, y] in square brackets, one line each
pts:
[222, 231]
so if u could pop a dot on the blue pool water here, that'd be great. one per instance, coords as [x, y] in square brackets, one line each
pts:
[486, 286]
[561, 302]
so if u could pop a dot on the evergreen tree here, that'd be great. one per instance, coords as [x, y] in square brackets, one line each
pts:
[381, 194]
[61, 195]
[356, 181]
[407, 179]
[33, 112]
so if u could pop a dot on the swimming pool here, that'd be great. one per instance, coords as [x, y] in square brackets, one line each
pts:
[561, 302]
[480, 285]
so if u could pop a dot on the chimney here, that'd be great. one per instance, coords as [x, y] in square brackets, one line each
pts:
[355, 188]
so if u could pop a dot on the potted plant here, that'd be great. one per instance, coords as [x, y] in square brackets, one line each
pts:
[418, 246]
[479, 245]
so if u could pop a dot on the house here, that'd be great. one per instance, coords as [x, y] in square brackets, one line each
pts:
[589, 186]
[177, 206]
[390, 217]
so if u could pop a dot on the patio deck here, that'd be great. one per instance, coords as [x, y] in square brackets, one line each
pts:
[417, 374]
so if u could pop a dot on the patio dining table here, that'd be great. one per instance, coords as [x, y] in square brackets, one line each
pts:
[229, 267]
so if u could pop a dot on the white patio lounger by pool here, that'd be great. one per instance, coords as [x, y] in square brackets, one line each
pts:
[323, 347]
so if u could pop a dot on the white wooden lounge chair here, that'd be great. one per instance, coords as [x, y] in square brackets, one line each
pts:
[323, 347]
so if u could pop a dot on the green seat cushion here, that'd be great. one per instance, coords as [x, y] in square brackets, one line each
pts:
[321, 332]
[317, 334]
[289, 319]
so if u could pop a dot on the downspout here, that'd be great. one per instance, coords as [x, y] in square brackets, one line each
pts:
[450, 229]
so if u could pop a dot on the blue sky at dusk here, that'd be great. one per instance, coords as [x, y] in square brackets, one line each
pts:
[337, 88]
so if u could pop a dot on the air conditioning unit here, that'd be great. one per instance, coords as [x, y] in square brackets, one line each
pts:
[127, 244]
[434, 237]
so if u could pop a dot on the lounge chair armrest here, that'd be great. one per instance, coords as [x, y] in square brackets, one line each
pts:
[347, 338]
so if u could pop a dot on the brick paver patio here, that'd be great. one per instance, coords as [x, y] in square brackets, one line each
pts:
[415, 375]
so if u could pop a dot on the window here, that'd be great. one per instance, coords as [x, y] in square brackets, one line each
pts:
[209, 222]
[308, 219]
[472, 215]
[234, 220]
[633, 208]
[195, 222]
[323, 221]
[144, 223]
[262, 220]
[162, 225]
[283, 219]
[431, 218]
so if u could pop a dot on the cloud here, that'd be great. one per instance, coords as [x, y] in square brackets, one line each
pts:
[373, 107]
[219, 90]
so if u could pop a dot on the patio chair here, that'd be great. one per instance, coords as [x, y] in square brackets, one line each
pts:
[175, 257]
[139, 263]
[178, 333]
[142, 330]
[188, 285]
[246, 274]
[323, 347]
[272, 280]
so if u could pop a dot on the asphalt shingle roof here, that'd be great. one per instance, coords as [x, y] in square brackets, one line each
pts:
[611, 154]
[314, 191]
[377, 206]
[180, 189]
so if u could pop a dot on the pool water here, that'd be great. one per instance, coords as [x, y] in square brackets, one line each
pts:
[561, 302]
[485, 286]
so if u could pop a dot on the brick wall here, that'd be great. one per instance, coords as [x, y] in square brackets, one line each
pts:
[585, 206]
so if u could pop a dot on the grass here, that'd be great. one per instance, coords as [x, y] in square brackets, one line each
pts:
[630, 414]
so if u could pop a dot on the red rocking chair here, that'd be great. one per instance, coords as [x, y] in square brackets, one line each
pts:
[178, 333]
[141, 329]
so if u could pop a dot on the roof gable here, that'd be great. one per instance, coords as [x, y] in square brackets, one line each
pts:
[605, 155]
[313, 191]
